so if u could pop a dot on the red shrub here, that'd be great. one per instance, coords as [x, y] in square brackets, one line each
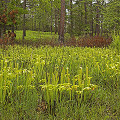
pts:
[8, 38]
[96, 41]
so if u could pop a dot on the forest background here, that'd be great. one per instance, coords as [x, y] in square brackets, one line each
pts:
[80, 18]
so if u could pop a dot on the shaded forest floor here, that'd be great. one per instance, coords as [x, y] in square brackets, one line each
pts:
[37, 39]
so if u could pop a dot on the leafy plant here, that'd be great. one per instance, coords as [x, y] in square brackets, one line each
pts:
[116, 42]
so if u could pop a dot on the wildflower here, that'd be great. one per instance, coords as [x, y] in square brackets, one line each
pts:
[93, 88]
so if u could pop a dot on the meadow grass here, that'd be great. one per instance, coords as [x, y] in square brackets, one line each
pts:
[35, 35]
[59, 83]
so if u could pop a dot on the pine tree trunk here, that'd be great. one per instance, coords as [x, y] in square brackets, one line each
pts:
[58, 22]
[51, 18]
[39, 26]
[0, 31]
[35, 24]
[55, 21]
[13, 28]
[32, 21]
[24, 29]
[91, 21]
[97, 31]
[101, 32]
[62, 21]
[35, 21]
[85, 7]
[4, 26]
[71, 19]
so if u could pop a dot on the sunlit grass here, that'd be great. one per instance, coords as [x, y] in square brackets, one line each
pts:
[34, 35]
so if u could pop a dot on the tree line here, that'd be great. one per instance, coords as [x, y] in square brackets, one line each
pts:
[76, 17]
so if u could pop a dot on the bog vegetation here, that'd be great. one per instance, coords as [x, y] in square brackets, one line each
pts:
[59, 60]
[59, 83]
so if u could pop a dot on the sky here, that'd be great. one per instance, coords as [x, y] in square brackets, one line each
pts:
[106, 0]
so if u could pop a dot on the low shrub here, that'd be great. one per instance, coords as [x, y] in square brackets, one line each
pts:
[8, 39]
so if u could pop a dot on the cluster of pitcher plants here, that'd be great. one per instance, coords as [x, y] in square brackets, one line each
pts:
[29, 76]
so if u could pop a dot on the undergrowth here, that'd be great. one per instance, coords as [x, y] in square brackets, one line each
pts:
[37, 39]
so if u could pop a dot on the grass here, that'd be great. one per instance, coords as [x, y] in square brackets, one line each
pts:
[116, 42]
[35, 35]
[59, 83]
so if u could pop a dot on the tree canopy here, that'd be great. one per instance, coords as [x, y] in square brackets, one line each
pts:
[82, 17]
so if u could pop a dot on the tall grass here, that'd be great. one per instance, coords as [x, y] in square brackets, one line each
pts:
[46, 82]
[116, 42]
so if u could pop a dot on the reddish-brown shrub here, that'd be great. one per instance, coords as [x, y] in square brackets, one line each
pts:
[96, 41]
[8, 38]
